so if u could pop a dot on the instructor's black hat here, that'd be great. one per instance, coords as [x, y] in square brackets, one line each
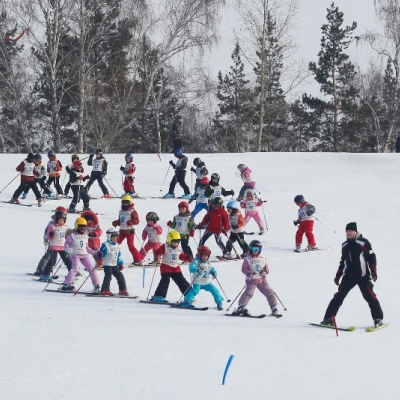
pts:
[351, 226]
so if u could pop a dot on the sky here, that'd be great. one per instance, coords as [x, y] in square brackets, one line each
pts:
[57, 346]
[310, 18]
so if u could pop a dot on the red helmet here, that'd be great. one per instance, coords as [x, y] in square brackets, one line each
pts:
[204, 180]
[183, 204]
[62, 209]
[203, 250]
[77, 164]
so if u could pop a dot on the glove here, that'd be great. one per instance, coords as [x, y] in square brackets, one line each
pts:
[45, 242]
[51, 234]
[232, 193]
[214, 274]
[310, 212]
[190, 201]
[121, 267]
[193, 170]
[191, 233]
[129, 223]
[172, 164]
[224, 232]
[121, 168]
[263, 274]
[337, 280]
[132, 230]
[295, 223]
[115, 223]
[92, 234]
[198, 227]
[374, 275]
[169, 223]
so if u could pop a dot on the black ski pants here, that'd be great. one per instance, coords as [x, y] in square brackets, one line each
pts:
[26, 186]
[97, 176]
[237, 237]
[177, 277]
[109, 271]
[52, 259]
[366, 288]
[179, 178]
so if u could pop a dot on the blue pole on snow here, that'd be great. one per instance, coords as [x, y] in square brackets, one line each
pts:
[144, 277]
[228, 364]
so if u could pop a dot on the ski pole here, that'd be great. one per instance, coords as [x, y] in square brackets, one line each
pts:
[190, 287]
[265, 218]
[324, 224]
[244, 287]
[10, 181]
[54, 274]
[223, 291]
[108, 183]
[162, 187]
[233, 246]
[280, 301]
[90, 273]
[152, 279]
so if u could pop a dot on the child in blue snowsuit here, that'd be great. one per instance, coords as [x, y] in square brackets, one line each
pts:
[200, 197]
[202, 271]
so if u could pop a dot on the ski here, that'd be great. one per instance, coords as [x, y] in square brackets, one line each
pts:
[247, 316]
[306, 251]
[349, 329]
[114, 296]
[18, 204]
[31, 274]
[222, 258]
[375, 328]
[189, 308]
[143, 266]
[52, 281]
[66, 291]
[249, 233]
[165, 303]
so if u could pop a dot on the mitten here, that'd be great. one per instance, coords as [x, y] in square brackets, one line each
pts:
[121, 267]
[45, 242]
[310, 212]
[214, 274]
[234, 226]
[92, 234]
[190, 201]
[191, 233]
[86, 177]
[129, 223]
[193, 170]
[295, 223]
[115, 223]
[224, 232]
[169, 223]
[121, 168]
[263, 274]
[172, 163]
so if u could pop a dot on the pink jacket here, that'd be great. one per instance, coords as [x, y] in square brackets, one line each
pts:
[259, 275]
[247, 178]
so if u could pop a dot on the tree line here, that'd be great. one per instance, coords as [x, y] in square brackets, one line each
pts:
[79, 74]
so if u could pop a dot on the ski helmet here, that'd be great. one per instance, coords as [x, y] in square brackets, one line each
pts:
[152, 216]
[37, 157]
[51, 154]
[215, 176]
[74, 157]
[111, 232]
[184, 204]
[173, 236]
[63, 209]
[255, 246]
[205, 181]
[218, 201]
[30, 157]
[203, 250]
[60, 214]
[249, 193]
[80, 224]
[241, 167]
[129, 155]
[299, 198]
[196, 161]
[233, 204]
[98, 151]
[126, 201]
[178, 153]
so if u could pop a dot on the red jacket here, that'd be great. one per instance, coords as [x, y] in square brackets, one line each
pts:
[94, 229]
[217, 220]
[165, 268]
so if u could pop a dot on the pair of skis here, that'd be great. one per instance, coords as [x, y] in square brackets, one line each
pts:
[351, 328]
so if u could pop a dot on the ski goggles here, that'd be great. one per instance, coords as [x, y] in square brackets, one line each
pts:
[255, 249]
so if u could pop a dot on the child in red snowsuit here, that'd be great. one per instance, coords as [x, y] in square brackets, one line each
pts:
[128, 217]
[217, 222]
[305, 222]
[129, 171]
[151, 232]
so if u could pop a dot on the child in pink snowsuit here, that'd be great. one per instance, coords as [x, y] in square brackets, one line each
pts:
[247, 178]
[77, 246]
[250, 203]
[152, 232]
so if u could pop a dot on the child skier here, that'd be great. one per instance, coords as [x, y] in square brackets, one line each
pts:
[200, 197]
[79, 191]
[237, 228]
[54, 168]
[215, 189]
[247, 178]
[127, 218]
[77, 246]
[201, 272]
[129, 172]
[305, 222]
[172, 254]
[250, 204]
[69, 168]
[113, 264]
[93, 228]
[40, 177]
[151, 232]
[99, 171]
[55, 234]
[184, 224]
[28, 172]
[256, 269]
[200, 171]
[216, 221]
[179, 177]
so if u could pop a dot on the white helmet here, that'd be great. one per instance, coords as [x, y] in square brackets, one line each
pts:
[111, 232]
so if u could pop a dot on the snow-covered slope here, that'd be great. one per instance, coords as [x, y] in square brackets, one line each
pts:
[57, 346]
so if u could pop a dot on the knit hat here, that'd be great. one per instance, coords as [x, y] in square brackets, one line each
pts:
[351, 226]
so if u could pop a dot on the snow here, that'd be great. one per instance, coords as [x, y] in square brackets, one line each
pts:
[57, 346]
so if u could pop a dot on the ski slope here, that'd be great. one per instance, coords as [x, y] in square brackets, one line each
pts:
[57, 346]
